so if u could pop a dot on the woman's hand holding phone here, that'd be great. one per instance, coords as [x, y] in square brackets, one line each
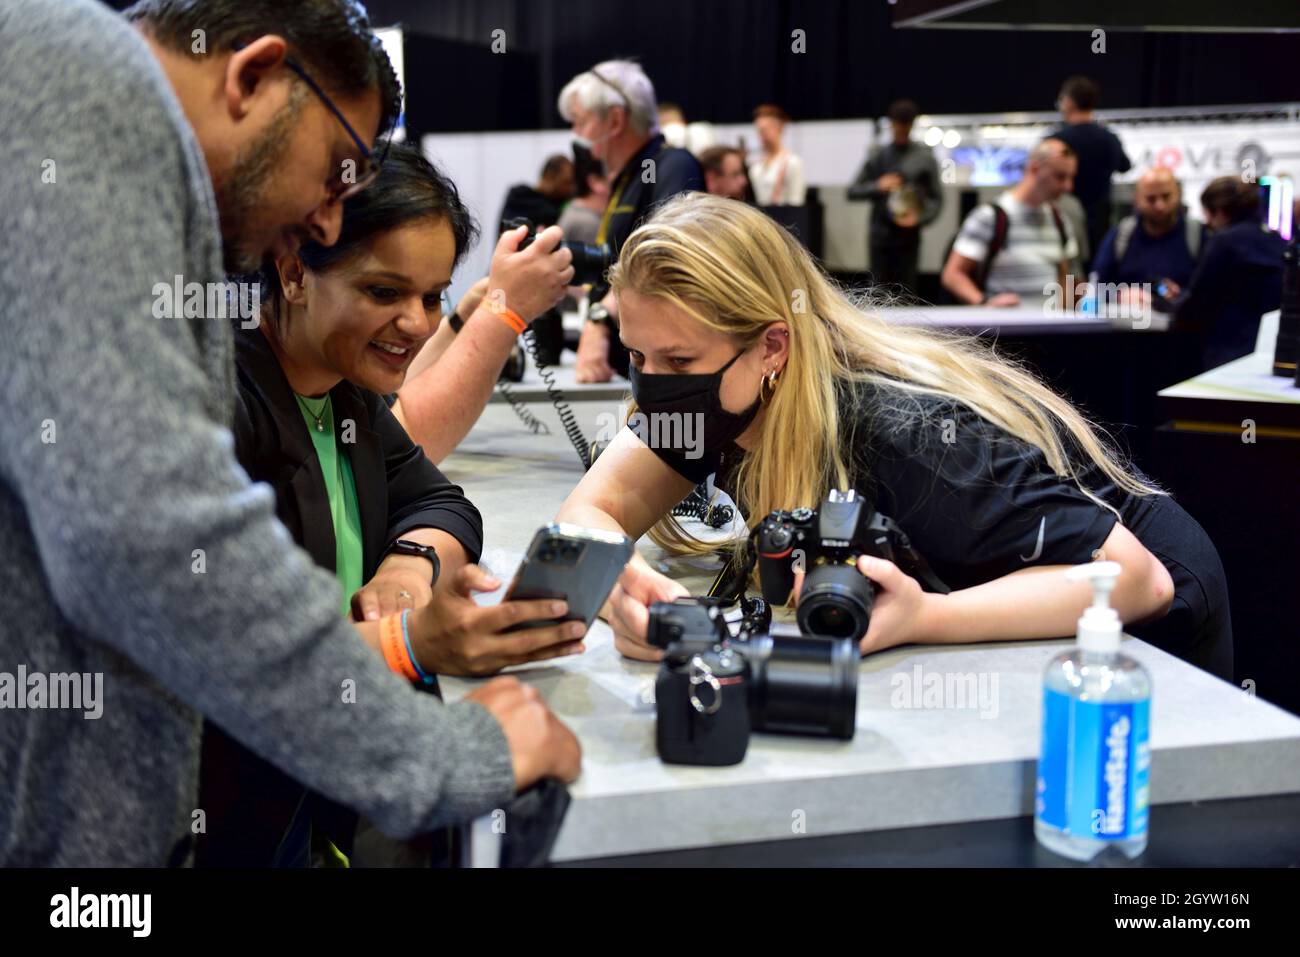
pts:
[453, 635]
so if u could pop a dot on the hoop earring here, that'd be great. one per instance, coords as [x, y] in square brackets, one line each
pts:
[767, 388]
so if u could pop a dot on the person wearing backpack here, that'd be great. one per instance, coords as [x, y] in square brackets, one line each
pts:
[1159, 244]
[1014, 249]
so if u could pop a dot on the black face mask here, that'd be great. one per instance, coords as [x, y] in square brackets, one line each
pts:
[693, 395]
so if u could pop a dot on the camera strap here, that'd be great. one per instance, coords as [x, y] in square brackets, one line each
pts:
[913, 562]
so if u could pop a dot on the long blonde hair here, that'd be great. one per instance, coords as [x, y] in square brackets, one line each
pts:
[737, 271]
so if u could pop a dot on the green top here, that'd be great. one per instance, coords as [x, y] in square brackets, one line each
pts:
[349, 554]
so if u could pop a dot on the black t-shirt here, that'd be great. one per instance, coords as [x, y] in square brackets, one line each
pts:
[648, 180]
[1100, 156]
[976, 502]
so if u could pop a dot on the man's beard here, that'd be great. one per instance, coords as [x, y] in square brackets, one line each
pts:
[246, 189]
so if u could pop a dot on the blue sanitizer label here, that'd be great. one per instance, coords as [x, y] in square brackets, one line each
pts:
[1092, 773]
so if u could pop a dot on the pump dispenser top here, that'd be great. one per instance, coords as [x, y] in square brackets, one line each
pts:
[1099, 626]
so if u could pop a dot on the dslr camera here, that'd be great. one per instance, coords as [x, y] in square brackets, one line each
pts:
[590, 262]
[713, 689]
[836, 598]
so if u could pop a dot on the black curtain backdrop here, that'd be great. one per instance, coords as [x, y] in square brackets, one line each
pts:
[720, 58]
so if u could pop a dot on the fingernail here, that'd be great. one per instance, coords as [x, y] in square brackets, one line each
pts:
[372, 615]
[577, 649]
[558, 608]
[577, 629]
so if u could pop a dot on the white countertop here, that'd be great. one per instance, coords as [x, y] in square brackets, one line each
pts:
[905, 767]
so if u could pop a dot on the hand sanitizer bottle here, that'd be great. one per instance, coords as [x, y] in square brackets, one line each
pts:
[1092, 768]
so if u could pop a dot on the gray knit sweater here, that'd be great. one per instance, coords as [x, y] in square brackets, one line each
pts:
[131, 543]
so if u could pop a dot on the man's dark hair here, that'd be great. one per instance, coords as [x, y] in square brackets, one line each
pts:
[772, 110]
[409, 188]
[713, 157]
[331, 38]
[585, 165]
[903, 111]
[1083, 90]
[1229, 194]
[555, 165]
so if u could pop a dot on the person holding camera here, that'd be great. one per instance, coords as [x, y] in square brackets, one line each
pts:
[998, 483]
[449, 383]
[612, 110]
[901, 179]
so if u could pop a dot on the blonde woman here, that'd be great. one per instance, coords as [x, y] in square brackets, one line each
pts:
[998, 482]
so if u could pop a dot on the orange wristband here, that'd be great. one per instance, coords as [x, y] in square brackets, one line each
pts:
[393, 644]
[513, 320]
[508, 315]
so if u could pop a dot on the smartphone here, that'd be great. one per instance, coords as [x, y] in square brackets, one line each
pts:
[577, 564]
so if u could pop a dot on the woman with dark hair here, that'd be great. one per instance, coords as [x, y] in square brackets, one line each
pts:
[340, 326]
[1238, 277]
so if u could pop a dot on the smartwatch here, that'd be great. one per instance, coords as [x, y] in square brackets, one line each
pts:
[598, 313]
[404, 546]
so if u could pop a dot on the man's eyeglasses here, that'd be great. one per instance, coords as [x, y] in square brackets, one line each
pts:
[349, 182]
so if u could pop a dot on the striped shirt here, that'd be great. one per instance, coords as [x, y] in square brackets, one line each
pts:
[1028, 260]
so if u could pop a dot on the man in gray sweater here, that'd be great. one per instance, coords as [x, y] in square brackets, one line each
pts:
[138, 565]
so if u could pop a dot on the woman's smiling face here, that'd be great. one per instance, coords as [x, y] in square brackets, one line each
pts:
[366, 318]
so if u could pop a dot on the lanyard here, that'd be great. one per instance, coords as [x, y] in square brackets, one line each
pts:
[616, 195]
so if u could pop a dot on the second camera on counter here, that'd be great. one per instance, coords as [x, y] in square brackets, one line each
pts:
[714, 688]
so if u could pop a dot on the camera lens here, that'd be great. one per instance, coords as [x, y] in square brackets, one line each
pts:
[803, 685]
[590, 263]
[569, 552]
[835, 602]
[545, 554]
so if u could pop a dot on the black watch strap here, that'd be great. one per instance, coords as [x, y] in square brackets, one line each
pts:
[455, 321]
[404, 546]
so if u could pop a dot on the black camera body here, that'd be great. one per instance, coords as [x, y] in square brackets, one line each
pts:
[590, 262]
[836, 598]
[713, 689]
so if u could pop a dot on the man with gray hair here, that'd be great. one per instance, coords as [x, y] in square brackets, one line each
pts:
[613, 112]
